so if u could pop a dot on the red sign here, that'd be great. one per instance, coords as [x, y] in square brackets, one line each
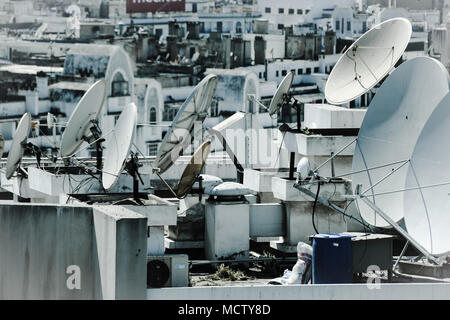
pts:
[155, 5]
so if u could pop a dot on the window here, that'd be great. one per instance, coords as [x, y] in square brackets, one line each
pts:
[152, 115]
[281, 10]
[238, 27]
[291, 11]
[194, 7]
[316, 70]
[284, 73]
[364, 26]
[300, 71]
[219, 26]
[299, 11]
[307, 11]
[169, 112]
[202, 27]
[119, 87]
[280, 26]
[152, 149]
[268, 10]
[349, 25]
[277, 73]
[338, 25]
[260, 75]
[308, 70]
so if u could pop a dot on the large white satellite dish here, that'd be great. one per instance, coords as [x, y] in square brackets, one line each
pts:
[118, 145]
[80, 122]
[279, 98]
[390, 130]
[368, 60]
[427, 208]
[193, 109]
[18, 145]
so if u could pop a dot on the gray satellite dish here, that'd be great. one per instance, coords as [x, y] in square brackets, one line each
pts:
[281, 97]
[81, 121]
[390, 130]
[18, 145]
[118, 145]
[426, 204]
[368, 60]
[193, 109]
[193, 169]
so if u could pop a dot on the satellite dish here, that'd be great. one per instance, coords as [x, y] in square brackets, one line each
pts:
[303, 168]
[80, 122]
[193, 169]
[279, 98]
[368, 60]
[118, 145]
[193, 109]
[18, 144]
[390, 130]
[426, 208]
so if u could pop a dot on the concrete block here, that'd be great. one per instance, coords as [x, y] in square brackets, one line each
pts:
[227, 230]
[283, 189]
[159, 212]
[299, 224]
[267, 220]
[326, 116]
[155, 241]
[261, 180]
[43, 248]
[318, 145]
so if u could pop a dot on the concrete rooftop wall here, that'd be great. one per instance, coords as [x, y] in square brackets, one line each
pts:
[39, 244]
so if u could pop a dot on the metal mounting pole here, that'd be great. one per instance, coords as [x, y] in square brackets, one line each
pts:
[397, 228]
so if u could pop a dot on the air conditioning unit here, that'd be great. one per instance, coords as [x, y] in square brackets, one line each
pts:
[167, 271]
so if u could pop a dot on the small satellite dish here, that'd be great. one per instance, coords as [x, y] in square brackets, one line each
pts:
[81, 120]
[303, 168]
[390, 130]
[280, 96]
[193, 109]
[193, 169]
[118, 145]
[368, 60]
[18, 145]
[426, 208]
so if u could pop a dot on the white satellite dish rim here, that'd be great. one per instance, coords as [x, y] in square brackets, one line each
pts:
[371, 127]
[79, 122]
[282, 90]
[344, 56]
[118, 146]
[16, 151]
[164, 159]
[425, 219]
